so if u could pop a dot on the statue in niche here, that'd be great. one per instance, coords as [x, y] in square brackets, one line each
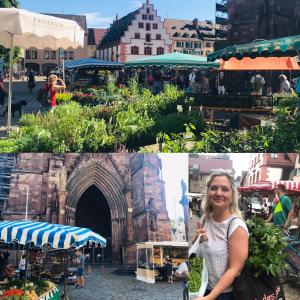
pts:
[153, 215]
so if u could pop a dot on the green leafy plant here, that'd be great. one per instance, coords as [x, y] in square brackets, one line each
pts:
[195, 270]
[266, 247]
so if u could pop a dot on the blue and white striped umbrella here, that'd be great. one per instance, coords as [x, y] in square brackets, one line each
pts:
[40, 234]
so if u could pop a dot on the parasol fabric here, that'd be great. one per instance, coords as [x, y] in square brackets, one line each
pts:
[286, 46]
[92, 63]
[57, 236]
[174, 60]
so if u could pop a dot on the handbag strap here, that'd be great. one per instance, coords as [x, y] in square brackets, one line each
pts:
[229, 226]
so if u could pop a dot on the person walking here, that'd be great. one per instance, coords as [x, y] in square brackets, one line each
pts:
[225, 235]
[258, 83]
[22, 266]
[80, 269]
[169, 269]
[2, 92]
[31, 81]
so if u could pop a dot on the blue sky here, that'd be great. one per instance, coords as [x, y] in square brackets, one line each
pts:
[100, 13]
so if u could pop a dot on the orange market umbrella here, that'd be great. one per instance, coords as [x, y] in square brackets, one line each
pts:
[260, 63]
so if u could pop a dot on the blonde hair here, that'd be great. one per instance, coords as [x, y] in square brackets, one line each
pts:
[52, 77]
[233, 206]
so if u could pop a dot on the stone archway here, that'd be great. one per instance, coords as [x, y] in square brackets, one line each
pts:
[93, 212]
[107, 180]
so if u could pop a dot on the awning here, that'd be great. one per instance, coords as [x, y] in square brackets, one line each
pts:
[40, 234]
[291, 186]
[92, 63]
[260, 63]
[175, 60]
[286, 46]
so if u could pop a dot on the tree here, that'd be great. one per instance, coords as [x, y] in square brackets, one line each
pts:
[9, 3]
[3, 51]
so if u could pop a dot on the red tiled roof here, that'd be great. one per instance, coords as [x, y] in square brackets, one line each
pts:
[95, 35]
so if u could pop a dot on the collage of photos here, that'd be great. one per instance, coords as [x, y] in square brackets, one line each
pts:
[150, 149]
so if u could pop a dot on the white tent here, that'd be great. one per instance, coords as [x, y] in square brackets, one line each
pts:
[25, 29]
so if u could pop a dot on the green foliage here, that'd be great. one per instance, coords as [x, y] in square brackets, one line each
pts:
[9, 3]
[4, 53]
[8, 146]
[266, 247]
[195, 270]
[63, 98]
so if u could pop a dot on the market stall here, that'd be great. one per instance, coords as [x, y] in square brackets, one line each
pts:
[151, 259]
[40, 235]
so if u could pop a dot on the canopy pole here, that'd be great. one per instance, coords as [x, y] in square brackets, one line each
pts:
[26, 268]
[11, 56]
[65, 296]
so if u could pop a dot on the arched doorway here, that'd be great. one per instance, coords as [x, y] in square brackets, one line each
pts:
[93, 212]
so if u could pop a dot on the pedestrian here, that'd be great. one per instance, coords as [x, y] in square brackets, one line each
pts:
[224, 234]
[2, 92]
[121, 81]
[258, 83]
[282, 209]
[220, 84]
[183, 273]
[31, 81]
[53, 89]
[22, 266]
[4, 271]
[285, 88]
[169, 269]
[294, 224]
[80, 269]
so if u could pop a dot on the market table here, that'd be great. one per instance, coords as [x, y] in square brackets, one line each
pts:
[212, 111]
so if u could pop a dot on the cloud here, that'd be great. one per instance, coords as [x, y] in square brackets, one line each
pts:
[136, 4]
[96, 20]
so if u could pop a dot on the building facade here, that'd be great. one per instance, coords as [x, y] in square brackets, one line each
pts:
[119, 196]
[44, 60]
[297, 168]
[137, 35]
[262, 19]
[201, 166]
[271, 167]
[191, 37]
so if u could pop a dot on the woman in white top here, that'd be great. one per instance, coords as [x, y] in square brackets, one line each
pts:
[225, 256]
[285, 86]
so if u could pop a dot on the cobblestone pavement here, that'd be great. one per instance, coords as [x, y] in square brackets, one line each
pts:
[103, 284]
[21, 92]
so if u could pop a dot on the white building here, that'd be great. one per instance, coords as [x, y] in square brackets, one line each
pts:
[137, 35]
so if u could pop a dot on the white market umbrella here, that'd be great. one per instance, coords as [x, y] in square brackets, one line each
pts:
[25, 29]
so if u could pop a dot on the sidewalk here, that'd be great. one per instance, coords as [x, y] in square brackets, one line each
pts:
[103, 284]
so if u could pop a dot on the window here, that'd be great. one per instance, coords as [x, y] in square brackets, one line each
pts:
[273, 155]
[148, 10]
[134, 50]
[144, 17]
[148, 37]
[151, 17]
[160, 51]
[141, 25]
[179, 44]
[148, 51]
[53, 54]
[71, 55]
[158, 36]
[46, 55]
[31, 54]
[188, 45]
[65, 55]
[155, 26]
[148, 26]
[137, 36]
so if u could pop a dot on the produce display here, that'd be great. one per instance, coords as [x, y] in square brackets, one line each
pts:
[33, 290]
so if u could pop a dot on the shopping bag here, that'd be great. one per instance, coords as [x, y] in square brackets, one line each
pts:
[248, 287]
